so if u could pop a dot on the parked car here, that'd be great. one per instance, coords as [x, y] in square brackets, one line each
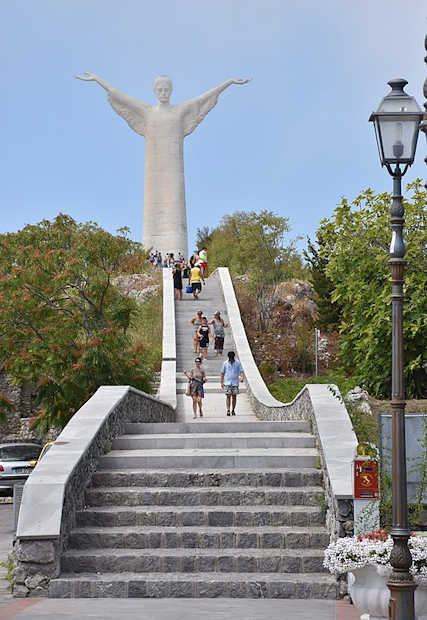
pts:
[15, 464]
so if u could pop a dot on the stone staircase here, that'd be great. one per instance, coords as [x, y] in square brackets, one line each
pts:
[210, 301]
[226, 509]
[218, 507]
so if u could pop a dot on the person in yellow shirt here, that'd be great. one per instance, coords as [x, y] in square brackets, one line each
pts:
[196, 281]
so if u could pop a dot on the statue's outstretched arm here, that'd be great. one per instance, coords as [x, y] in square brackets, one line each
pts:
[218, 89]
[195, 110]
[91, 77]
[129, 108]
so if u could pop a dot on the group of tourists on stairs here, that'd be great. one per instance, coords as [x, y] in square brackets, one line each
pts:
[202, 333]
[196, 270]
[231, 376]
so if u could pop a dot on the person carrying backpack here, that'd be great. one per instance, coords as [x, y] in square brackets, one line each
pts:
[196, 281]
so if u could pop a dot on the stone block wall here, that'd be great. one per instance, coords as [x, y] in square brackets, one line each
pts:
[300, 408]
[38, 555]
[17, 424]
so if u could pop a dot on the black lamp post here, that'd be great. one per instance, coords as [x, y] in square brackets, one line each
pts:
[396, 124]
[423, 126]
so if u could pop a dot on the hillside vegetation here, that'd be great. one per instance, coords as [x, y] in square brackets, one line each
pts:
[340, 285]
[351, 276]
[65, 327]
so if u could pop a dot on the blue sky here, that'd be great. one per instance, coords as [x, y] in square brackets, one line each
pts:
[294, 140]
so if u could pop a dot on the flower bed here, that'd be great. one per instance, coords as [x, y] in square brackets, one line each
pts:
[348, 554]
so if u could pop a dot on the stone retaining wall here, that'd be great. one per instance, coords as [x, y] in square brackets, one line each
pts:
[320, 404]
[16, 425]
[57, 485]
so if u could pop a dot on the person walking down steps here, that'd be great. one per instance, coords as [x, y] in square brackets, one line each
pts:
[203, 257]
[196, 377]
[231, 375]
[203, 334]
[196, 321]
[218, 325]
[177, 281]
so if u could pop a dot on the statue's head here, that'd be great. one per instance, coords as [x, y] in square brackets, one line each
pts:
[162, 88]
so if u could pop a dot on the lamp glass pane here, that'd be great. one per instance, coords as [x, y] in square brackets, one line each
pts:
[398, 137]
[377, 138]
[398, 104]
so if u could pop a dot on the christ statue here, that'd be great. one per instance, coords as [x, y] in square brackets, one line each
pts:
[164, 127]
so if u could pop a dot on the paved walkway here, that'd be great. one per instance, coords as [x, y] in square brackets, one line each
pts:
[214, 409]
[177, 609]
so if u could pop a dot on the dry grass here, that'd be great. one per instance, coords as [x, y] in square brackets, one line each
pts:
[147, 327]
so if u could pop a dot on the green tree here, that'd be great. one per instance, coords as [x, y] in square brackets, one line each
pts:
[254, 244]
[203, 237]
[317, 258]
[356, 241]
[63, 325]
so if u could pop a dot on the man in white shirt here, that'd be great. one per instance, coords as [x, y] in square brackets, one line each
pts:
[231, 375]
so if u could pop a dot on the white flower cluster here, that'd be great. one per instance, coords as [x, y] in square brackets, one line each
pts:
[418, 548]
[347, 554]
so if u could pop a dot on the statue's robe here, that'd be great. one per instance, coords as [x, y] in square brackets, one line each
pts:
[164, 129]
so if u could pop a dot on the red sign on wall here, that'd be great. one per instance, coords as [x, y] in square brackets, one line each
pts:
[365, 479]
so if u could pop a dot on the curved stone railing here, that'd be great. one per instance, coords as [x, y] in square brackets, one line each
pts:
[265, 405]
[167, 390]
[321, 404]
[55, 490]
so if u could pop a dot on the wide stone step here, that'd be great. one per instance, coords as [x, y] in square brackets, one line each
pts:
[181, 378]
[210, 363]
[228, 426]
[195, 585]
[210, 388]
[210, 366]
[225, 496]
[214, 441]
[185, 332]
[193, 561]
[178, 516]
[224, 457]
[208, 478]
[186, 351]
[145, 537]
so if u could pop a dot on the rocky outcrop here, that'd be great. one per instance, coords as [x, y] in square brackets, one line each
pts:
[298, 294]
[139, 286]
[359, 399]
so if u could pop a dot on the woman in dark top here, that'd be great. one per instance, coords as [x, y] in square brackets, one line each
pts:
[203, 334]
[177, 280]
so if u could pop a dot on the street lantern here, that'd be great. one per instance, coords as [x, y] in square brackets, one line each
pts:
[396, 125]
